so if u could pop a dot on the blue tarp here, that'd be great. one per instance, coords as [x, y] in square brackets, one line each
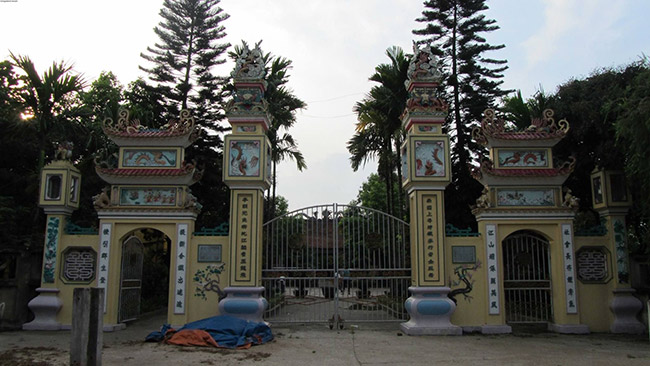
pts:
[227, 331]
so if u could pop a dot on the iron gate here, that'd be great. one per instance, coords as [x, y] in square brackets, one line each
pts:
[131, 279]
[527, 281]
[335, 263]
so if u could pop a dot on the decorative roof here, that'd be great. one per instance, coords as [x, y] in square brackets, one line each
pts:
[183, 130]
[493, 128]
[487, 168]
[188, 174]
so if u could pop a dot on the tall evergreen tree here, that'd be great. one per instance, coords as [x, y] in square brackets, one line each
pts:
[181, 70]
[454, 29]
[183, 61]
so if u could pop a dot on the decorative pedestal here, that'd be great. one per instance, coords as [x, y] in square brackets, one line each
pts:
[244, 303]
[430, 310]
[625, 308]
[45, 307]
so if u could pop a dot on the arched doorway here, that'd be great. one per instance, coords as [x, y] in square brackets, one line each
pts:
[527, 279]
[144, 276]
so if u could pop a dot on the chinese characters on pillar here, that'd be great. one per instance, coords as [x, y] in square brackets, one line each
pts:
[181, 263]
[430, 238]
[569, 270]
[492, 266]
[242, 265]
[104, 252]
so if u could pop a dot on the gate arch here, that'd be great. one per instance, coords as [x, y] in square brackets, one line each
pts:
[144, 273]
[527, 278]
[336, 262]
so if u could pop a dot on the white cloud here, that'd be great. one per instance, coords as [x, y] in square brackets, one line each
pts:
[573, 28]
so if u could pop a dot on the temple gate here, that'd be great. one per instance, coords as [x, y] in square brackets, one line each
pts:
[526, 263]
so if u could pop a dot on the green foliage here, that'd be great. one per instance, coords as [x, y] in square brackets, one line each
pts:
[182, 60]
[48, 101]
[593, 106]
[454, 29]
[181, 72]
[378, 131]
[372, 193]
[282, 105]
[633, 135]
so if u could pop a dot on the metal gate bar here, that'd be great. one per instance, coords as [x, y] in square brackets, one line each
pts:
[527, 283]
[131, 279]
[333, 263]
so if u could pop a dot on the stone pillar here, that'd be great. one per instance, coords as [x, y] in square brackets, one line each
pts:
[612, 199]
[59, 197]
[247, 172]
[426, 167]
[87, 327]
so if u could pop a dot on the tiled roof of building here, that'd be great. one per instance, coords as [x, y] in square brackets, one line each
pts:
[139, 172]
[539, 129]
[487, 167]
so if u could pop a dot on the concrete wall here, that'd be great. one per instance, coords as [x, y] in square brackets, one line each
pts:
[470, 308]
[196, 306]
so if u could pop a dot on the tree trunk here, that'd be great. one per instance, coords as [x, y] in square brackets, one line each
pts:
[274, 184]
[460, 134]
[400, 189]
[188, 67]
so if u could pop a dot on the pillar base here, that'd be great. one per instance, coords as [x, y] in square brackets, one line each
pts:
[45, 306]
[244, 302]
[430, 310]
[625, 307]
[568, 328]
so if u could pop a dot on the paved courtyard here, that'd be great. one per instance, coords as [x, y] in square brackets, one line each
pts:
[361, 344]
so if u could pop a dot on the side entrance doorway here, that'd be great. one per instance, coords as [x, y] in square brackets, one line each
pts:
[336, 263]
[527, 280]
[144, 276]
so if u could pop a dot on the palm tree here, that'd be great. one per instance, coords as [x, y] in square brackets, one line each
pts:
[48, 100]
[378, 129]
[282, 106]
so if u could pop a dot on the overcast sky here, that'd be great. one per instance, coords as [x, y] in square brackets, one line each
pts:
[334, 45]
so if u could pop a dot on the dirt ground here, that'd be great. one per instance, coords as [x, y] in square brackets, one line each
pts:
[360, 344]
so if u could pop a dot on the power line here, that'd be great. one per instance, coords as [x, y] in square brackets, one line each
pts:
[335, 98]
[328, 117]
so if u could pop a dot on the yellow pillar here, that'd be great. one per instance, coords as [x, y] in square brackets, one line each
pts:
[247, 172]
[426, 167]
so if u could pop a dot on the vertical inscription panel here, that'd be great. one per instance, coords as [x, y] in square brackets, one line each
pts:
[181, 268]
[245, 238]
[430, 248]
[492, 269]
[104, 254]
[569, 270]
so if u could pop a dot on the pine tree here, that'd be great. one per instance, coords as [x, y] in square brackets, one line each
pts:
[454, 28]
[182, 62]
[181, 70]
